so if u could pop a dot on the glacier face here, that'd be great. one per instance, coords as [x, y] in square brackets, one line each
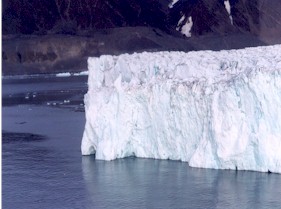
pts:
[211, 109]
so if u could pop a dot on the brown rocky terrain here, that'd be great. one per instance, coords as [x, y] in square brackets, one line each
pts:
[29, 54]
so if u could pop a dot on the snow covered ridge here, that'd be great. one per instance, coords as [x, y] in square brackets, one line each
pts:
[211, 109]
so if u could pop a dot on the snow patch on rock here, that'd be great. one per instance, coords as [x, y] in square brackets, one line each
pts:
[171, 5]
[185, 28]
[228, 9]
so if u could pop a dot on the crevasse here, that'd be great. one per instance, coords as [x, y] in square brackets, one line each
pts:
[211, 109]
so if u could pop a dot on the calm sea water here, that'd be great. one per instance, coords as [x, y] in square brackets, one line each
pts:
[43, 166]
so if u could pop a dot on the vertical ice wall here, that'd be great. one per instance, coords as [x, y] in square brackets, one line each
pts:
[211, 109]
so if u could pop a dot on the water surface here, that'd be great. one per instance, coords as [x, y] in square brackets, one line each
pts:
[43, 166]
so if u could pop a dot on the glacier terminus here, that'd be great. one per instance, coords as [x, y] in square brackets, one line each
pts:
[218, 110]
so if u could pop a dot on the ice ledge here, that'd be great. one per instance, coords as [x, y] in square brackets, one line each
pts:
[211, 109]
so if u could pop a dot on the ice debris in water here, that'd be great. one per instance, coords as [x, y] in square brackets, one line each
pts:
[63, 74]
[68, 74]
[81, 73]
[211, 109]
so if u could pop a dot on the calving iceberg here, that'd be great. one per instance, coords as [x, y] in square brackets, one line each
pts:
[211, 109]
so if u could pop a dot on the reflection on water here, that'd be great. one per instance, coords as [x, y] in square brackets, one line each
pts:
[146, 183]
[37, 175]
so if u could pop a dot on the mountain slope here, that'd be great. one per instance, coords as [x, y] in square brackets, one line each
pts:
[257, 17]
[58, 35]
[68, 16]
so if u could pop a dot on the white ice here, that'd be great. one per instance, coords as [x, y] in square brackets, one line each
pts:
[66, 74]
[81, 73]
[211, 109]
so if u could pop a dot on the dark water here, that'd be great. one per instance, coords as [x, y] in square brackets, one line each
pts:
[43, 167]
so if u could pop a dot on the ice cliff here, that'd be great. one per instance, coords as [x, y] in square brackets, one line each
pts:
[211, 109]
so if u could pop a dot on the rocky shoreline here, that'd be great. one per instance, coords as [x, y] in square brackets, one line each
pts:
[31, 54]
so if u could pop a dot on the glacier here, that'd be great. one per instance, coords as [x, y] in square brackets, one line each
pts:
[218, 110]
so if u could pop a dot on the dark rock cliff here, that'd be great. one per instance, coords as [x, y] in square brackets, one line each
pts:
[71, 16]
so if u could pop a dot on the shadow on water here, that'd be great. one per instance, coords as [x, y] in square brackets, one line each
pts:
[147, 183]
[10, 137]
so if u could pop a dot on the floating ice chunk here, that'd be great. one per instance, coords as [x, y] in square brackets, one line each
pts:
[211, 109]
[63, 74]
[83, 73]
[67, 74]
